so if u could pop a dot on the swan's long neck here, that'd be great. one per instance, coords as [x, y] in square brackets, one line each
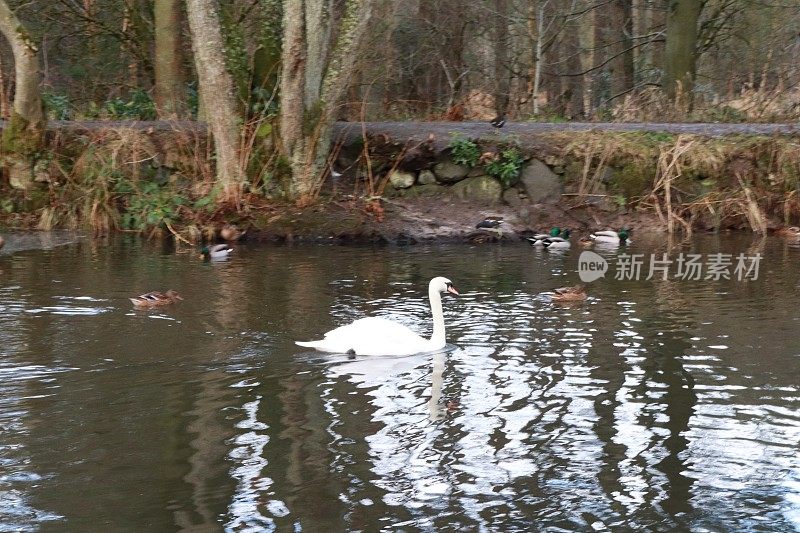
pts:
[437, 339]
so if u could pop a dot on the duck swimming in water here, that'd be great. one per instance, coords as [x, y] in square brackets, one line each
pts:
[557, 243]
[575, 293]
[611, 237]
[537, 239]
[215, 251]
[155, 299]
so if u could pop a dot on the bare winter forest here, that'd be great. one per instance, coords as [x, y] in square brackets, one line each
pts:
[734, 60]
[271, 77]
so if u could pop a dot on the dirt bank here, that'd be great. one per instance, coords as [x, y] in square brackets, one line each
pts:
[404, 221]
[409, 182]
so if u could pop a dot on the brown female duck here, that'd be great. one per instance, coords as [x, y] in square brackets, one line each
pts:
[569, 294]
[155, 299]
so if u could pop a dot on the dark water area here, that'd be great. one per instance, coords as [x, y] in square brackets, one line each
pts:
[658, 405]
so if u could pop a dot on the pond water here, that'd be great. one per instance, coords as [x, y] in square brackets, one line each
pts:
[657, 405]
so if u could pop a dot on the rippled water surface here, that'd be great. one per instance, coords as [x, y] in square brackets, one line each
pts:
[654, 405]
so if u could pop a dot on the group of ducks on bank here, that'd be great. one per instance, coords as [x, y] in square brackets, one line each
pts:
[559, 239]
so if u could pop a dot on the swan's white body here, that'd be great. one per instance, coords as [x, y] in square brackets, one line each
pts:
[380, 336]
[611, 237]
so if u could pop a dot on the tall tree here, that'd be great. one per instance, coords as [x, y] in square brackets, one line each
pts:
[603, 36]
[622, 47]
[502, 81]
[314, 79]
[217, 94]
[170, 84]
[23, 135]
[680, 51]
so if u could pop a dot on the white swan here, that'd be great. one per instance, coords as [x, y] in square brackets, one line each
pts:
[379, 336]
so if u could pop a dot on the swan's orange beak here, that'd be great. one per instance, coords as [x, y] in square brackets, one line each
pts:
[451, 289]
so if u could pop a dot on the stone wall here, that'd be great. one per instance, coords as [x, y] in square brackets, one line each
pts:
[537, 182]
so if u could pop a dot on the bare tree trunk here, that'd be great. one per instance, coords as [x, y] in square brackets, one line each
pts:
[217, 94]
[502, 81]
[658, 17]
[600, 77]
[622, 49]
[573, 96]
[169, 78]
[309, 98]
[23, 135]
[680, 54]
[4, 104]
[538, 56]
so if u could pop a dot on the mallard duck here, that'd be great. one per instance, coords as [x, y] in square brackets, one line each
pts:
[215, 251]
[786, 231]
[557, 242]
[537, 239]
[492, 222]
[611, 237]
[156, 299]
[569, 294]
[229, 232]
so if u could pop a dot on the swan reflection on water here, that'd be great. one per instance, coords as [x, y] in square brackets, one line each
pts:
[376, 370]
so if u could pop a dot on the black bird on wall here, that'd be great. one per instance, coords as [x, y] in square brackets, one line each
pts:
[492, 222]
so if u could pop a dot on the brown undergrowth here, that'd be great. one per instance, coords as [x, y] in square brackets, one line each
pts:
[692, 181]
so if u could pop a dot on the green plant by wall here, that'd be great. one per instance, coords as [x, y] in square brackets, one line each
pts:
[139, 106]
[57, 106]
[632, 181]
[506, 167]
[149, 205]
[464, 151]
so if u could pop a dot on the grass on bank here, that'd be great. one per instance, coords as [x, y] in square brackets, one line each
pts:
[117, 180]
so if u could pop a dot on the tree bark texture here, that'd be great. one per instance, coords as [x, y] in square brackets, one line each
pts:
[621, 66]
[502, 81]
[23, 135]
[170, 83]
[680, 51]
[217, 93]
[310, 94]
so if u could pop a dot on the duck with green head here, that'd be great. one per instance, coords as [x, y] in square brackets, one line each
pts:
[612, 237]
[557, 243]
[537, 239]
[215, 251]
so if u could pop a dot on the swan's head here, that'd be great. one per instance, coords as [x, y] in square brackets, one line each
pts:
[441, 284]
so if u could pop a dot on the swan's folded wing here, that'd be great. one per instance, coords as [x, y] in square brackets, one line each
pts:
[372, 328]
[372, 335]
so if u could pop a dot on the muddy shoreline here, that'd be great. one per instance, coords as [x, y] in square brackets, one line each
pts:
[440, 219]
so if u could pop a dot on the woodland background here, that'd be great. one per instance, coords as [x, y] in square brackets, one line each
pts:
[270, 77]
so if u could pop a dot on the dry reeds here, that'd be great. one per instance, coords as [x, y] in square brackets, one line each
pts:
[670, 167]
[688, 179]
